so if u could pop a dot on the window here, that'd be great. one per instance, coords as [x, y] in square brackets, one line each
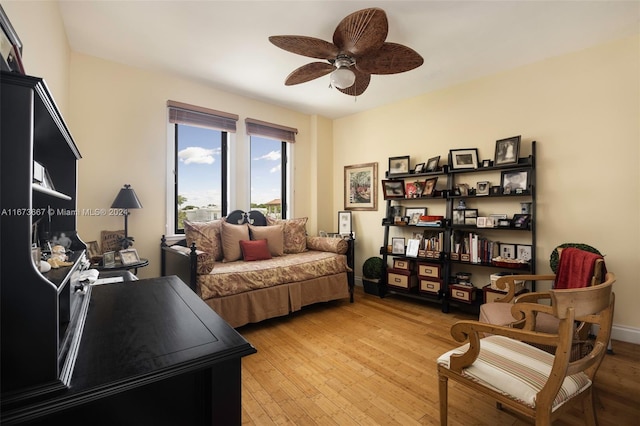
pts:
[197, 190]
[270, 146]
[269, 176]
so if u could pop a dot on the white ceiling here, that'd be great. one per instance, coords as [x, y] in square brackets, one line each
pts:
[225, 44]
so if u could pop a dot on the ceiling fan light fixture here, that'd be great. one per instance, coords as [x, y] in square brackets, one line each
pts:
[342, 78]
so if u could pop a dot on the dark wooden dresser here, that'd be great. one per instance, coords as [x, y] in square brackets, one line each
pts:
[151, 353]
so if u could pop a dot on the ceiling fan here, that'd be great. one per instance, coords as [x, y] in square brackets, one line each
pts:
[358, 50]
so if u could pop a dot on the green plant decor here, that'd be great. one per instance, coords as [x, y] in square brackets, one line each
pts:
[372, 268]
[555, 257]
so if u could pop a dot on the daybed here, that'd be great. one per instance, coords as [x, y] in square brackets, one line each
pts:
[249, 268]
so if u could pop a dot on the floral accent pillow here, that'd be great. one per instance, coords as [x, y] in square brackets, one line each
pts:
[295, 233]
[207, 237]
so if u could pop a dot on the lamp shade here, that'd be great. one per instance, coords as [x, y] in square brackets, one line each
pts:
[126, 199]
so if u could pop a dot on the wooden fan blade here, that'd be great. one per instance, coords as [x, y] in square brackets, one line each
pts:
[391, 58]
[308, 72]
[360, 85]
[361, 32]
[306, 46]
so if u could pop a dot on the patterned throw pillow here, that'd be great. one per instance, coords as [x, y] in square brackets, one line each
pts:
[273, 234]
[207, 237]
[295, 233]
[231, 237]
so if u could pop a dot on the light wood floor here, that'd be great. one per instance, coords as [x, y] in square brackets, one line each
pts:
[373, 362]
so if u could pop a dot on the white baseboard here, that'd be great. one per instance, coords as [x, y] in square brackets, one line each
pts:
[625, 334]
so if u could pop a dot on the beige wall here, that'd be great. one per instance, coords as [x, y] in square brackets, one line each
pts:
[583, 109]
[120, 125]
[45, 48]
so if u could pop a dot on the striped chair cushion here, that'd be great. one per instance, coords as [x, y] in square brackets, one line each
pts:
[516, 370]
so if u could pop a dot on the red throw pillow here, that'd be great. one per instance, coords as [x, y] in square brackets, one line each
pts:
[255, 250]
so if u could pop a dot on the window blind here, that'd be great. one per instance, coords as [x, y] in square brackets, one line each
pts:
[181, 113]
[270, 130]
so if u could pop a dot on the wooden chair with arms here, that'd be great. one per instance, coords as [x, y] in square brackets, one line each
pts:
[526, 380]
[499, 312]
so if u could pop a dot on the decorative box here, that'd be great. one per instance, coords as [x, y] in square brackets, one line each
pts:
[462, 293]
[401, 279]
[428, 270]
[494, 277]
[490, 294]
[402, 264]
[430, 286]
[465, 257]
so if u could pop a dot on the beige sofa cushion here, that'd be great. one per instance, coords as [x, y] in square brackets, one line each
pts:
[273, 234]
[295, 233]
[231, 236]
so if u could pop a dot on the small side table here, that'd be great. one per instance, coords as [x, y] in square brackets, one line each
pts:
[118, 266]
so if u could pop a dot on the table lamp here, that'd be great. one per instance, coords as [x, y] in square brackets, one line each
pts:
[126, 199]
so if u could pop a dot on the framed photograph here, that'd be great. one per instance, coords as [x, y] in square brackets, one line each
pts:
[463, 158]
[514, 182]
[496, 190]
[360, 186]
[398, 165]
[109, 258]
[458, 217]
[507, 151]
[481, 222]
[419, 168]
[487, 163]
[508, 251]
[410, 211]
[412, 190]
[344, 222]
[482, 188]
[429, 187]
[397, 245]
[393, 189]
[432, 164]
[412, 247]
[463, 189]
[414, 218]
[93, 249]
[129, 256]
[523, 251]
[521, 220]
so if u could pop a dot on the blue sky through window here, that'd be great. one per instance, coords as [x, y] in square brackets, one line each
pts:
[199, 167]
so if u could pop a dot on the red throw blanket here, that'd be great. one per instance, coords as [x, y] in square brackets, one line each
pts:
[575, 268]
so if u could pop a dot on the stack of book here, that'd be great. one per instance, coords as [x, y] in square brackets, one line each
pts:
[436, 221]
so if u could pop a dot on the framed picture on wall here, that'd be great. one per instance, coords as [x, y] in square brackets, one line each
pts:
[360, 187]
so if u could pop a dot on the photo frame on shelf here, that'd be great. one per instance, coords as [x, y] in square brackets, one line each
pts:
[429, 187]
[463, 158]
[432, 164]
[487, 163]
[410, 211]
[521, 220]
[393, 189]
[399, 165]
[514, 181]
[507, 151]
[481, 222]
[458, 217]
[129, 256]
[508, 251]
[413, 245]
[482, 188]
[411, 190]
[360, 187]
[414, 218]
[419, 168]
[397, 245]
[109, 259]
[345, 222]
[524, 252]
